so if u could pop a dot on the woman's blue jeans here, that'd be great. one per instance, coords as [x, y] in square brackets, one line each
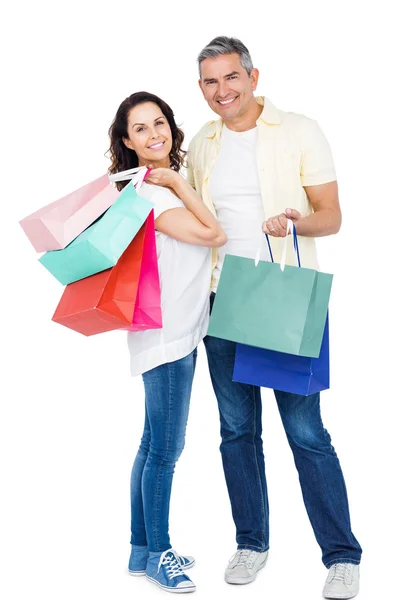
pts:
[167, 398]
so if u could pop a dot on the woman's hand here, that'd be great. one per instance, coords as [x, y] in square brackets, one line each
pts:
[163, 177]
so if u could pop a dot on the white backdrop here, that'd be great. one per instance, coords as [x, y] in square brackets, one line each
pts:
[71, 416]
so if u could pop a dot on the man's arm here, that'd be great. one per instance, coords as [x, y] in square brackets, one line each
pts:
[325, 220]
[327, 216]
[317, 175]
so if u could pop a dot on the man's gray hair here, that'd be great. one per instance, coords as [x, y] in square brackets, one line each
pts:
[223, 45]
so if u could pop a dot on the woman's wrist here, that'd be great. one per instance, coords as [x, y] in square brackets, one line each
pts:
[178, 182]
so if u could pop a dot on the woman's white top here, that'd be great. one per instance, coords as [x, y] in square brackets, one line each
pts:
[185, 274]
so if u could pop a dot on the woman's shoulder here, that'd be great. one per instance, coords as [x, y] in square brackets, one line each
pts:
[162, 198]
[155, 192]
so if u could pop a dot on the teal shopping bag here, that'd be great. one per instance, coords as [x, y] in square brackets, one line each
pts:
[272, 306]
[100, 246]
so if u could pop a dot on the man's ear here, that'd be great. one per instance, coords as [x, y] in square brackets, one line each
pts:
[254, 75]
[201, 87]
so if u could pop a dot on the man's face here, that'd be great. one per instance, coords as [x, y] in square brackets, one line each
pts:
[226, 85]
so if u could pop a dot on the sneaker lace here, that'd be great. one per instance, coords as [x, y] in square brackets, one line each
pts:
[343, 572]
[170, 560]
[244, 557]
[181, 560]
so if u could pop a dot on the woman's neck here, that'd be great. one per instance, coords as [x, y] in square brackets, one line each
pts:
[156, 164]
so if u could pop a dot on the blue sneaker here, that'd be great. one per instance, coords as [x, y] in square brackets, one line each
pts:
[186, 562]
[164, 569]
[139, 556]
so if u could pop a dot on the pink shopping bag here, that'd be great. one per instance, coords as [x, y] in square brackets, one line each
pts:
[54, 226]
[147, 313]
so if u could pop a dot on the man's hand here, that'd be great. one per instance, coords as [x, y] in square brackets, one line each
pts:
[277, 226]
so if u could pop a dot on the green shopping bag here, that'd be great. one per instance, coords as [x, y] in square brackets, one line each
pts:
[271, 306]
[100, 246]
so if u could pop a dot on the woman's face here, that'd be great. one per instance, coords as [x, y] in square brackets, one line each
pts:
[149, 135]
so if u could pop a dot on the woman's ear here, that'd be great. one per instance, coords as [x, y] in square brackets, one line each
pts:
[127, 143]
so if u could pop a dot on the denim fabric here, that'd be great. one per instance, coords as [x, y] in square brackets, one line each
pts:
[138, 559]
[167, 397]
[318, 466]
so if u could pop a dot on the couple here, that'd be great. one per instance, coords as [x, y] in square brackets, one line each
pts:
[248, 172]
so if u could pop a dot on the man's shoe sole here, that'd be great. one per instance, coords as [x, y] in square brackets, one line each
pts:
[346, 597]
[244, 580]
[183, 590]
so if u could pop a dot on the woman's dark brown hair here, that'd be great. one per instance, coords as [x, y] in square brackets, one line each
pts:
[122, 158]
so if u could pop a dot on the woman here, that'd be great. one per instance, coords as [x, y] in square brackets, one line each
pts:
[144, 133]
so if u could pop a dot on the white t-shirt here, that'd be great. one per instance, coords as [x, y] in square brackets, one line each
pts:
[236, 194]
[185, 272]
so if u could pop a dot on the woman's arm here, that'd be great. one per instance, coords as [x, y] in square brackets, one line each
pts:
[194, 224]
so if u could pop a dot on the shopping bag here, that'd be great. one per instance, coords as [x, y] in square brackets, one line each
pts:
[147, 313]
[271, 306]
[54, 226]
[108, 300]
[284, 372]
[100, 246]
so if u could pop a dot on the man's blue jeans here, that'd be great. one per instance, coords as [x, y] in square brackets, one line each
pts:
[167, 398]
[320, 474]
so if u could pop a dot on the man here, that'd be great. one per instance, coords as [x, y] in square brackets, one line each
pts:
[255, 167]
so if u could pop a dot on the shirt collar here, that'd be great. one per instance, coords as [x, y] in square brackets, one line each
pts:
[270, 116]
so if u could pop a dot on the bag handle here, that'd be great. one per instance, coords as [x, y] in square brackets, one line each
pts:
[136, 175]
[290, 228]
[124, 175]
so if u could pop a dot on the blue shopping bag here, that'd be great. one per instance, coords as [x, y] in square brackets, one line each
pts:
[285, 372]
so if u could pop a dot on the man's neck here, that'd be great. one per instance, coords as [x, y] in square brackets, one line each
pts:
[247, 120]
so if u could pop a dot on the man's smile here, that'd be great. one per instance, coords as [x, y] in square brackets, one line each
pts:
[227, 102]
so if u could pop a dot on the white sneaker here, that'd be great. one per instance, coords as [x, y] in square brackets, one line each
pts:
[243, 566]
[343, 581]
